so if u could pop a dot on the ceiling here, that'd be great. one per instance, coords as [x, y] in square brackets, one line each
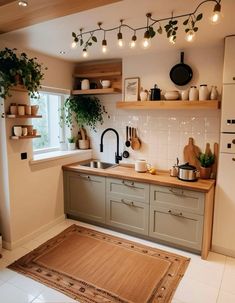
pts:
[53, 36]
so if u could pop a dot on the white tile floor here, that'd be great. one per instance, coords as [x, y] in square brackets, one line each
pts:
[211, 281]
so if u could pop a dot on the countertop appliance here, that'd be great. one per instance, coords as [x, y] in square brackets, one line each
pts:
[224, 217]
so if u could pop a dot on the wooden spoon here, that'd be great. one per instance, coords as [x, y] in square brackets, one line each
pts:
[135, 142]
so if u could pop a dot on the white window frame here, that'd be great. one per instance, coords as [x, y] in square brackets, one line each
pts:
[64, 94]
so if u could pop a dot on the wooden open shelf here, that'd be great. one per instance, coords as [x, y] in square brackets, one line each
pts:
[97, 74]
[162, 104]
[25, 116]
[97, 91]
[19, 88]
[24, 137]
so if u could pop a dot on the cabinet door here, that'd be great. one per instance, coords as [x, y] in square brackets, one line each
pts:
[228, 108]
[85, 196]
[176, 226]
[229, 60]
[127, 214]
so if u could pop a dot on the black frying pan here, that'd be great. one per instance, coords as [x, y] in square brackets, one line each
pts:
[181, 73]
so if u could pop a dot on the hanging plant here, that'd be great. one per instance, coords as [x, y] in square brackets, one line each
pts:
[85, 110]
[20, 69]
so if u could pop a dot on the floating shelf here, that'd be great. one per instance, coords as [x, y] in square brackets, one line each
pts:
[19, 88]
[97, 91]
[97, 75]
[24, 137]
[25, 116]
[162, 104]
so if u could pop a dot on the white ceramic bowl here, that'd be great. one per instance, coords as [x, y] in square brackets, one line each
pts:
[105, 83]
[172, 95]
[17, 131]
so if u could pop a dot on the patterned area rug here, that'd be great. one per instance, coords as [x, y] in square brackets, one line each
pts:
[91, 266]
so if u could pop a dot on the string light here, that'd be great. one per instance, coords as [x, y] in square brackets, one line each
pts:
[190, 36]
[133, 41]
[150, 30]
[216, 15]
[84, 53]
[23, 3]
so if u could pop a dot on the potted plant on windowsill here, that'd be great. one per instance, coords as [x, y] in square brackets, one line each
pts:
[19, 69]
[71, 143]
[206, 162]
[84, 110]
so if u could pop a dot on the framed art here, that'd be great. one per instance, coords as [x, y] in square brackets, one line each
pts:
[131, 89]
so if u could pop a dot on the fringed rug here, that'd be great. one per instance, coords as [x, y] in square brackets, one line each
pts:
[91, 266]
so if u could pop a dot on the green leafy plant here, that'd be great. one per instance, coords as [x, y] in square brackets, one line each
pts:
[206, 160]
[72, 139]
[19, 69]
[191, 23]
[85, 110]
[171, 29]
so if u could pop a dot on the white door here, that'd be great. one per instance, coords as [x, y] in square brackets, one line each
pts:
[229, 60]
[228, 109]
[224, 216]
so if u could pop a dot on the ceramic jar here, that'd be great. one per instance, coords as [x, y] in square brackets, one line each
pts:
[214, 93]
[193, 93]
[203, 92]
[141, 166]
[185, 94]
[85, 84]
[144, 95]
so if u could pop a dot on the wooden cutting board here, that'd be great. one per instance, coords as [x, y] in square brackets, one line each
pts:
[191, 153]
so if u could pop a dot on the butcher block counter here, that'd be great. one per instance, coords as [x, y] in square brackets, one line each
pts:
[157, 207]
[127, 172]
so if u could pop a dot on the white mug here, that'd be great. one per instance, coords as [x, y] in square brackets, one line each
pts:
[17, 131]
[141, 166]
[105, 83]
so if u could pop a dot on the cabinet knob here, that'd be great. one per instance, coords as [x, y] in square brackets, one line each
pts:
[233, 78]
[233, 159]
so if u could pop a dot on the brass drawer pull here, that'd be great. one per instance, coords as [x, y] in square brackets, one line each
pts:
[234, 78]
[85, 177]
[233, 159]
[176, 214]
[127, 203]
[131, 184]
[176, 193]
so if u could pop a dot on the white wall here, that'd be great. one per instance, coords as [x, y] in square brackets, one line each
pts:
[164, 133]
[31, 197]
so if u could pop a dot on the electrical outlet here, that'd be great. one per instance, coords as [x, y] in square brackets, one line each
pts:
[23, 156]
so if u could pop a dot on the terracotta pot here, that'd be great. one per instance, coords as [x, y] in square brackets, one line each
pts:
[205, 172]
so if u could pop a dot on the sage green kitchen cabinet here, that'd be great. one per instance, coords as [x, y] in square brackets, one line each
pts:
[176, 216]
[84, 196]
[127, 205]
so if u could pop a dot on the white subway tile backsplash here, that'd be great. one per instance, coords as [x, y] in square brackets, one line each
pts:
[163, 134]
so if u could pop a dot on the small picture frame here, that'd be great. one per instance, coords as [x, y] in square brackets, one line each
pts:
[131, 89]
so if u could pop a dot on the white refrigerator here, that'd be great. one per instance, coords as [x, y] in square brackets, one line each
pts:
[224, 216]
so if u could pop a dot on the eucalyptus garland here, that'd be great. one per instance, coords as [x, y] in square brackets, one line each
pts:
[84, 110]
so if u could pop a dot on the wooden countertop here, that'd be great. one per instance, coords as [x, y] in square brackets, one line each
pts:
[128, 172]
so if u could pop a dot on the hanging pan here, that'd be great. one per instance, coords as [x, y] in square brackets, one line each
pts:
[181, 73]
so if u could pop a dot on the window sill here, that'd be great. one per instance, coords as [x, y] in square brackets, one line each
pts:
[44, 157]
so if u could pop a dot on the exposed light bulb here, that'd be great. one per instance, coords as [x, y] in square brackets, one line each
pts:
[104, 46]
[120, 40]
[216, 15]
[190, 36]
[172, 39]
[23, 3]
[132, 44]
[73, 44]
[146, 43]
[84, 53]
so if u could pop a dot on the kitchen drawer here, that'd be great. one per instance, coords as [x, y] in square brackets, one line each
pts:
[186, 200]
[174, 226]
[129, 189]
[127, 214]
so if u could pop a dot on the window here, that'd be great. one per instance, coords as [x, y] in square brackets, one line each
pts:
[49, 125]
